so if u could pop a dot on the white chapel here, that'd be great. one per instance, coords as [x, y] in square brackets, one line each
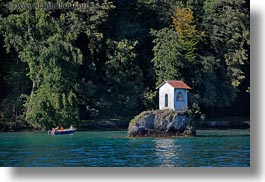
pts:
[173, 94]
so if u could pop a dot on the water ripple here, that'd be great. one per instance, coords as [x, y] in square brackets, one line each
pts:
[114, 149]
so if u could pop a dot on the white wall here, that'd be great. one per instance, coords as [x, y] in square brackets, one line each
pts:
[163, 90]
[172, 98]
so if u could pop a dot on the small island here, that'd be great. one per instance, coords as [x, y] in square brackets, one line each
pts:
[171, 119]
[161, 123]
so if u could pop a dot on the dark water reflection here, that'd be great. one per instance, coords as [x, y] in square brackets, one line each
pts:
[114, 149]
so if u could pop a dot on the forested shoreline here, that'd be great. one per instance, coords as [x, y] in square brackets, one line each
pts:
[61, 66]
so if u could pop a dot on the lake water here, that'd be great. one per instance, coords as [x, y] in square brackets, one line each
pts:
[115, 149]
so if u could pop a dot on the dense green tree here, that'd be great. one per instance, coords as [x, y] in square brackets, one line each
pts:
[167, 59]
[175, 51]
[126, 22]
[124, 78]
[227, 27]
[44, 40]
[13, 84]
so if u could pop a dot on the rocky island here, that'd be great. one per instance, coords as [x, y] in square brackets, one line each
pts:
[161, 123]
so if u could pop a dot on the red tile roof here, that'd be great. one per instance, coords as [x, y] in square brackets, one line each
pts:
[175, 84]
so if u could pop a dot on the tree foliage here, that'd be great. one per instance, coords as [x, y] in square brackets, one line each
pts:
[44, 39]
[58, 66]
[227, 27]
[188, 35]
[122, 74]
[167, 57]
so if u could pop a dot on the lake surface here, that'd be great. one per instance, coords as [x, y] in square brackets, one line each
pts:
[114, 149]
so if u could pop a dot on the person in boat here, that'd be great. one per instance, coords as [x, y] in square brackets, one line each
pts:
[61, 128]
[71, 127]
[52, 130]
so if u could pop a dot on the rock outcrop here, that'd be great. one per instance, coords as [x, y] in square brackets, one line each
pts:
[161, 123]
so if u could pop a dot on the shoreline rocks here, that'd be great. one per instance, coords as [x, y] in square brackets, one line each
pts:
[161, 123]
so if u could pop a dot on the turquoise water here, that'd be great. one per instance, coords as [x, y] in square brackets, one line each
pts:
[115, 149]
